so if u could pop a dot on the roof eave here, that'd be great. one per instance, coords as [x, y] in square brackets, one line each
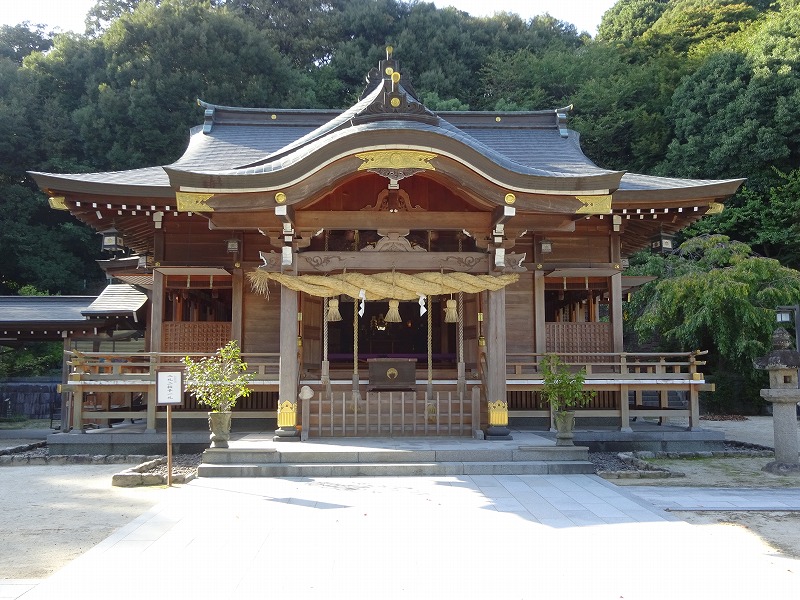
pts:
[53, 183]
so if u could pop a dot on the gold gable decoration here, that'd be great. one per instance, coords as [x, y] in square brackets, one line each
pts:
[193, 201]
[396, 159]
[380, 286]
[594, 205]
[58, 203]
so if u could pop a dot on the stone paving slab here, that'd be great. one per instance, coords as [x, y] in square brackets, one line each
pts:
[696, 499]
[16, 588]
[420, 537]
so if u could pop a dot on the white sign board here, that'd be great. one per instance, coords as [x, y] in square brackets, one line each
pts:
[170, 387]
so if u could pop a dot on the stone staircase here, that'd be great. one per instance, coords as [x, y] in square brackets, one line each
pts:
[412, 458]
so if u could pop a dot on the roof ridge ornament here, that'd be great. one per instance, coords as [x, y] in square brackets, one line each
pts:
[208, 116]
[398, 99]
[561, 115]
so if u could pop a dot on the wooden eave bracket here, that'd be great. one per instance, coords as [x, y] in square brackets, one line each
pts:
[499, 242]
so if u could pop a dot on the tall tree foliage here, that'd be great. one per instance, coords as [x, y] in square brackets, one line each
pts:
[716, 295]
[628, 20]
[157, 61]
[18, 41]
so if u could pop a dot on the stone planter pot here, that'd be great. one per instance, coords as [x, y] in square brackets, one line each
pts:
[220, 425]
[565, 426]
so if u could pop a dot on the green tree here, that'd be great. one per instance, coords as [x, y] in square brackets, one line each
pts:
[685, 24]
[137, 104]
[715, 295]
[768, 220]
[18, 41]
[218, 381]
[739, 114]
[304, 31]
[628, 20]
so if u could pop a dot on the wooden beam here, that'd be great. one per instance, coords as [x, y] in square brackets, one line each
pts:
[477, 222]
[502, 215]
[285, 214]
[324, 262]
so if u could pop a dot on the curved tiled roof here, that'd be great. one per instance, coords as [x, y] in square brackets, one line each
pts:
[248, 147]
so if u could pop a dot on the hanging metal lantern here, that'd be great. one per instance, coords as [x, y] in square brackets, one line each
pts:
[663, 243]
[111, 241]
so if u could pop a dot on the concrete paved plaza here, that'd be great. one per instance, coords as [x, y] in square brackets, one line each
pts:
[529, 536]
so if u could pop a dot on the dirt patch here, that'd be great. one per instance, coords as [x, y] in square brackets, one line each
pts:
[718, 472]
[56, 513]
[781, 530]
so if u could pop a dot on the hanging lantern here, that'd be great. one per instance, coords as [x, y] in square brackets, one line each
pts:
[111, 241]
[662, 243]
[333, 310]
[393, 314]
[451, 312]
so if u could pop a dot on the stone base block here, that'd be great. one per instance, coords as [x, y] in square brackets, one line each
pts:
[782, 468]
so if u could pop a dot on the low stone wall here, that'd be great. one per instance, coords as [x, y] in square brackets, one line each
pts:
[30, 399]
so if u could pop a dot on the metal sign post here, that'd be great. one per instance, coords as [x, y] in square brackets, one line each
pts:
[168, 393]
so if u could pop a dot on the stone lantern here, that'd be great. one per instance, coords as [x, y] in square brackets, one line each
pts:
[782, 364]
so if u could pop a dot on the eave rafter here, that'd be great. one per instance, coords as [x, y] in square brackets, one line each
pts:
[135, 218]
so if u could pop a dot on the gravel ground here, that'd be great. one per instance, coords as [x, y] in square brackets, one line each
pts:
[185, 464]
[182, 464]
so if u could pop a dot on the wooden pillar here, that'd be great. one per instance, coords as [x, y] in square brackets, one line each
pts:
[616, 311]
[496, 366]
[694, 394]
[66, 404]
[289, 369]
[538, 312]
[624, 410]
[156, 311]
[156, 319]
[237, 306]
[151, 407]
[77, 409]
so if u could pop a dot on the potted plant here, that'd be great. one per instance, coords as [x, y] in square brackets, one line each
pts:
[217, 382]
[562, 388]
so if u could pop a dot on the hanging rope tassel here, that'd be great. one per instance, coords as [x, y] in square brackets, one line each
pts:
[451, 312]
[393, 314]
[333, 310]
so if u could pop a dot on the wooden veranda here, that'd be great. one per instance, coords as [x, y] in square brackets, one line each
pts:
[103, 387]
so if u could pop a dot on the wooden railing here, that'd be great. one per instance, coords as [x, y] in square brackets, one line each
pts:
[108, 386]
[104, 366]
[391, 414]
[627, 385]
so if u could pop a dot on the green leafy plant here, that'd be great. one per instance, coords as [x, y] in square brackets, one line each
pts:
[218, 381]
[563, 387]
